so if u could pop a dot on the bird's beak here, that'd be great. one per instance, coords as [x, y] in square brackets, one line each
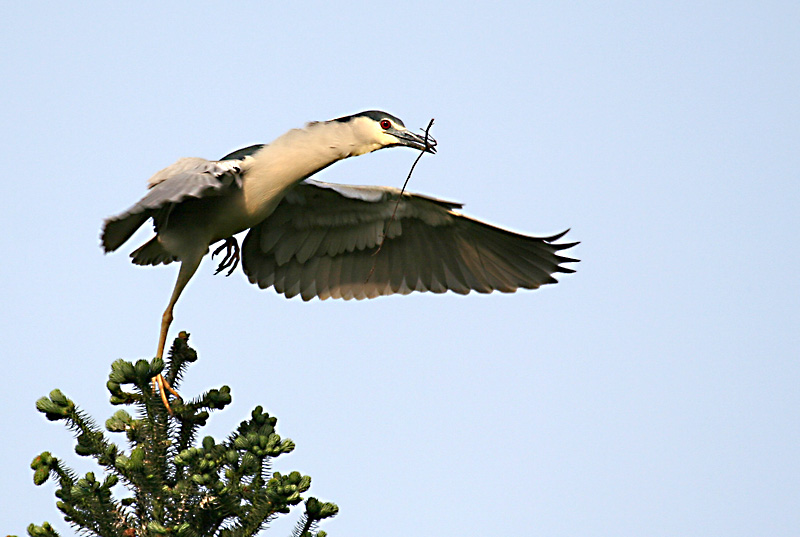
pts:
[415, 141]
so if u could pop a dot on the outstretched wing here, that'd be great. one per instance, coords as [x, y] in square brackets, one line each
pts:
[187, 178]
[322, 240]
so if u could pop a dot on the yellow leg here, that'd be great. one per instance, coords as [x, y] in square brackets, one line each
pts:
[187, 270]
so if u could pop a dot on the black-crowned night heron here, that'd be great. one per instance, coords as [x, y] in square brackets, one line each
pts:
[311, 238]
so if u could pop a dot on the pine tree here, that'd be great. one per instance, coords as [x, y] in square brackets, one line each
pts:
[172, 486]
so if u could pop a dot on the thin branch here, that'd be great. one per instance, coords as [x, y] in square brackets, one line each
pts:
[397, 203]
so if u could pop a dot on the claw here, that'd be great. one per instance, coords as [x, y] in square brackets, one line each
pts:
[231, 259]
[161, 386]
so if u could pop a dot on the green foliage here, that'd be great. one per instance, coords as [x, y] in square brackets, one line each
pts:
[170, 486]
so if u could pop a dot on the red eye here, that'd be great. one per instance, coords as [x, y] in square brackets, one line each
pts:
[386, 124]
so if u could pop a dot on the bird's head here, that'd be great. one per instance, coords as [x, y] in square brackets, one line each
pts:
[376, 130]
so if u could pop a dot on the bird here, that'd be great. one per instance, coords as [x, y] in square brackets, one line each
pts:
[316, 239]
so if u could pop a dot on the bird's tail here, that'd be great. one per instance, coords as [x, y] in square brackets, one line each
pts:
[152, 253]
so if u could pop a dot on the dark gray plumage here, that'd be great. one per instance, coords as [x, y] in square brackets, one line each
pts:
[322, 238]
[186, 179]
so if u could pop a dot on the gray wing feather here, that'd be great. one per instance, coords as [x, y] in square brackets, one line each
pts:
[373, 194]
[322, 241]
[187, 178]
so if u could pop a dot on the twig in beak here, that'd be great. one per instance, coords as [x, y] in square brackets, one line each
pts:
[397, 204]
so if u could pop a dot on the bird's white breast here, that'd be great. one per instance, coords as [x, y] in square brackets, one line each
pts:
[291, 158]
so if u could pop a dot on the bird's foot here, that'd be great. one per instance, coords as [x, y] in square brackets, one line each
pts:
[231, 258]
[161, 386]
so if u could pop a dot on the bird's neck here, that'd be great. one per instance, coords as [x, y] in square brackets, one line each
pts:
[277, 167]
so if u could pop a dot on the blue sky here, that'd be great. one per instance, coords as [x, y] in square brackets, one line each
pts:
[654, 392]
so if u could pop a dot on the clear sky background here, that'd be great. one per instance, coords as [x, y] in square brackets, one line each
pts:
[652, 393]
